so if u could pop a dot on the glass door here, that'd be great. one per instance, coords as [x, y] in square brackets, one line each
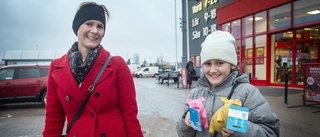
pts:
[281, 57]
[307, 49]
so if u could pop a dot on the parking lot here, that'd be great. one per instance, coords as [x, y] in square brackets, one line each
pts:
[161, 105]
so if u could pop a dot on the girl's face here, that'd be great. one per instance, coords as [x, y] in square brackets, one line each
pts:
[90, 34]
[216, 70]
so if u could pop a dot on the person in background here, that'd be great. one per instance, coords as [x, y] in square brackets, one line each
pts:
[279, 68]
[112, 108]
[190, 72]
[219, 63]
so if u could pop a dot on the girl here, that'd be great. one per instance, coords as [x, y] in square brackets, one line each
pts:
[219, 63]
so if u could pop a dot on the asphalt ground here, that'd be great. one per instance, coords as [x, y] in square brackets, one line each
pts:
[298, 118]
[158, 117]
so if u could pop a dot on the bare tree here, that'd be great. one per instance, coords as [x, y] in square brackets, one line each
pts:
[160, 62]
[136, 59]
[145, 63]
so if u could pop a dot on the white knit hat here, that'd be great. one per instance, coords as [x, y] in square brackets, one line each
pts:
[219, 45]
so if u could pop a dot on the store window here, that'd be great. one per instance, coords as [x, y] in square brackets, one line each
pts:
[247, 45]
[247, 26]
[235, 28]
[279, 17]
[226, 27]
[281, 54]
[306, 11]
[260, 22]
[260, 59]
[237, 47]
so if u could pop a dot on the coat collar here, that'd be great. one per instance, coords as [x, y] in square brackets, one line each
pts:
[65, 79]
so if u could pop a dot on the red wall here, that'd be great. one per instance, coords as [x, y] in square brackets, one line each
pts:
[242, 8]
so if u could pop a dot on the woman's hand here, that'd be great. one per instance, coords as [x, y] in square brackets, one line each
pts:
[225, 132]
[187, 119]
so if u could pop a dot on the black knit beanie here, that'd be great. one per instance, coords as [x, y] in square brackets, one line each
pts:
[88, 12]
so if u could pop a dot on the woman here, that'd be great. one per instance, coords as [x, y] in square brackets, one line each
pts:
[219, 63]
[112, 108]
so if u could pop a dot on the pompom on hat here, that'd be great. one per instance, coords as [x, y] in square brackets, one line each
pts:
[219, 45]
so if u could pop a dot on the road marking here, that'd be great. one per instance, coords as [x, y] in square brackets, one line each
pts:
[5, 116]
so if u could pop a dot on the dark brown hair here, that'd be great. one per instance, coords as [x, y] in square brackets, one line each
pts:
[94, 3]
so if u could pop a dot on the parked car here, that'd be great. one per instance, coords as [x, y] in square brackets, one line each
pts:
[163, 70]
[174, 75]
[23, 83]
[147, 72]
[133, 68]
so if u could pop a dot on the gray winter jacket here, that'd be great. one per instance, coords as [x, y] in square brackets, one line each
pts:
[262, 121]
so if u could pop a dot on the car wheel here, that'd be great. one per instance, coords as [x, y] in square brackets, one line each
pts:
[175, 80]
[155, 75]
[44, 98]
[140, 76]
[160, 80]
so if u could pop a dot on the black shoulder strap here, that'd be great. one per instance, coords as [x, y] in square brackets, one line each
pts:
[233, 88]
[100, 73]
[235, 85]
[90, 89]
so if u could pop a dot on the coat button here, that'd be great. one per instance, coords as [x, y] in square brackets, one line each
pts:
[92, 114]
[67, 98]
[103, 134]
[97, 94]
[74, 136]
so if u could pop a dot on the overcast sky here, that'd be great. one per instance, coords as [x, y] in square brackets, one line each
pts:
[144, 27]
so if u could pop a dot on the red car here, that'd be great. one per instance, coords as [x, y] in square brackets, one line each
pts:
[23, 83]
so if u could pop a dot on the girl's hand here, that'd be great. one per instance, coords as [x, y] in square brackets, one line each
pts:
[187, 119]
[225, 132]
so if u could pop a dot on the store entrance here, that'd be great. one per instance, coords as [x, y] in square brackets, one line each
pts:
[306, 48]
[281, 56]
[307, 43]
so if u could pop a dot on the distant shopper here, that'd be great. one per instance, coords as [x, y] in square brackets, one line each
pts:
[111, 110]
[221, 74]
[279, 68]
[190, 71]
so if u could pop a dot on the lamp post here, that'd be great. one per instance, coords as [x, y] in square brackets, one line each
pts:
[175, 30]
[187, 26]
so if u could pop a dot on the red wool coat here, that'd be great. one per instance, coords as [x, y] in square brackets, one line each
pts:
[111, 110]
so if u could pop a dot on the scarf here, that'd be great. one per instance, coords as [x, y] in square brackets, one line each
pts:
[79, 68]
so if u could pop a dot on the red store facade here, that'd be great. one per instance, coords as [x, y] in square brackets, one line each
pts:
[273, 37]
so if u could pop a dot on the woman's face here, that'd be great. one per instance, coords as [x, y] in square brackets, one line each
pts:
[216, 70]
[90, 34]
